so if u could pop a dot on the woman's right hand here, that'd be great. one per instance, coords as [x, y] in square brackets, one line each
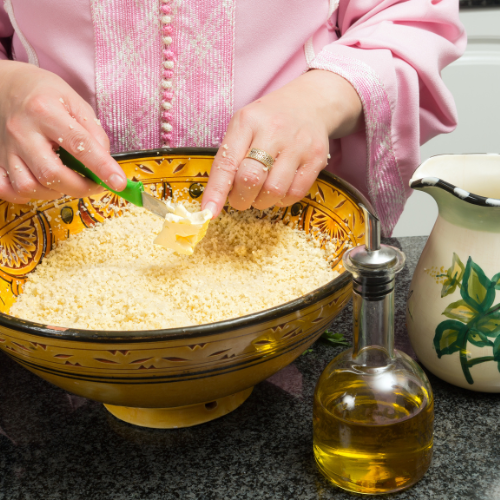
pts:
[38, 113]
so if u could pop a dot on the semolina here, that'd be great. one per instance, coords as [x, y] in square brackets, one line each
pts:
[111, 276]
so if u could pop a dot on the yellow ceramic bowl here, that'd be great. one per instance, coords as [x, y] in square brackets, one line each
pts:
[174, 377]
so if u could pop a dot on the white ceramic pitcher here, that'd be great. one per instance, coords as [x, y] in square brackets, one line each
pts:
[453, 311]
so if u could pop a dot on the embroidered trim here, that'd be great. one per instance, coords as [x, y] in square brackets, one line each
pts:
[32, 57]
[128, 59]
[385, 185]
[203, 80]
[167, 74]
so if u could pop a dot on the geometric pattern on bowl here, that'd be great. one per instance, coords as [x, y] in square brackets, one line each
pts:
[193, 374]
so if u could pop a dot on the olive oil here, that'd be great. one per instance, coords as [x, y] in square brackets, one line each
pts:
[373, 405]
[369, 442]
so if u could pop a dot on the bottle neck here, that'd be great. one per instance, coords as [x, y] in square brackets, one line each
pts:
[373, 328]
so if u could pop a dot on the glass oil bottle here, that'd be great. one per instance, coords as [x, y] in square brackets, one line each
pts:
[373, 405]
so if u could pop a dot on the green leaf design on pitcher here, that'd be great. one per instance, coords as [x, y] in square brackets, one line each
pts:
[477, 289]
[449, 337]
[472, 319]
[460, 310]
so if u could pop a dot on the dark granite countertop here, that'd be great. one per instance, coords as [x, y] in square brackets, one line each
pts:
[55, 446]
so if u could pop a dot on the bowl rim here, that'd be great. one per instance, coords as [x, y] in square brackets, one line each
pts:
[196, 331]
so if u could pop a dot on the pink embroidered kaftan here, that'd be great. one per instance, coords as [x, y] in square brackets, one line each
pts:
[172, 72]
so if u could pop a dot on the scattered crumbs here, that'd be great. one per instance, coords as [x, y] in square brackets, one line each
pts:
[97, 121]
[60, 139]
[80, 147]
[61, 100]
[229, 182]
[85, 118]
[44, 157]
[224, 154]
[225, 146]
[245, 179]
[328, 156]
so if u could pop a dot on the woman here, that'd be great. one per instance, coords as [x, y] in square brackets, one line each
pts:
[353, 86]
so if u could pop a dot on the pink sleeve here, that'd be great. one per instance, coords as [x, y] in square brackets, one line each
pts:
[392, 52]
[6, 32]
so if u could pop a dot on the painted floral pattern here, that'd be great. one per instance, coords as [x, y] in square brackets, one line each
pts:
[18, 246]
[472, 319]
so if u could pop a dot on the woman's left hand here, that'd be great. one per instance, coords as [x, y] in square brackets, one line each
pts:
[293, 125]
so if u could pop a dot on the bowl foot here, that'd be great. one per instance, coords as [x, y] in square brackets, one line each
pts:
[180, 416]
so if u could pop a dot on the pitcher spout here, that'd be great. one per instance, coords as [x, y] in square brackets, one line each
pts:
[466, 188]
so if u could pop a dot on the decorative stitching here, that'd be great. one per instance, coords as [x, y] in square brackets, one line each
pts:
[167, 74]
[32, 57]
[385, 184]
[204, 76]
[128, 59]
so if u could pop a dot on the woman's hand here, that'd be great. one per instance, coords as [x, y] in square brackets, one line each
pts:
[38, 113]
[291, 124]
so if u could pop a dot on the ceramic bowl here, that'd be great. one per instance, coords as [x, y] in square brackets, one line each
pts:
[173, 377]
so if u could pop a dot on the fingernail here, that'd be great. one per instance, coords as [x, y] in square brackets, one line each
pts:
[212, 207]
[117, 182]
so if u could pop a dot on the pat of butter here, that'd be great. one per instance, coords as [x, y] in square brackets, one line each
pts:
[182, 230]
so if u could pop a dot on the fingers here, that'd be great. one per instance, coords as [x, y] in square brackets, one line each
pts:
[302, 182]
[83, 113]
[294, 172]
[39, 112]
[67, 132]
[24, 184]
[278, 180]
[7, 192]
[225, 165]
[50, 172]
[251, 175]
[248, 182]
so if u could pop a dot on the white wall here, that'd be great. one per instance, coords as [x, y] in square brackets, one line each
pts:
[474, 81]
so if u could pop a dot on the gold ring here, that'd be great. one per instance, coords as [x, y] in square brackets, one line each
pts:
[262, 157]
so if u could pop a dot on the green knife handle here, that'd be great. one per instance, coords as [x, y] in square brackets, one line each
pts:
[133, 191]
